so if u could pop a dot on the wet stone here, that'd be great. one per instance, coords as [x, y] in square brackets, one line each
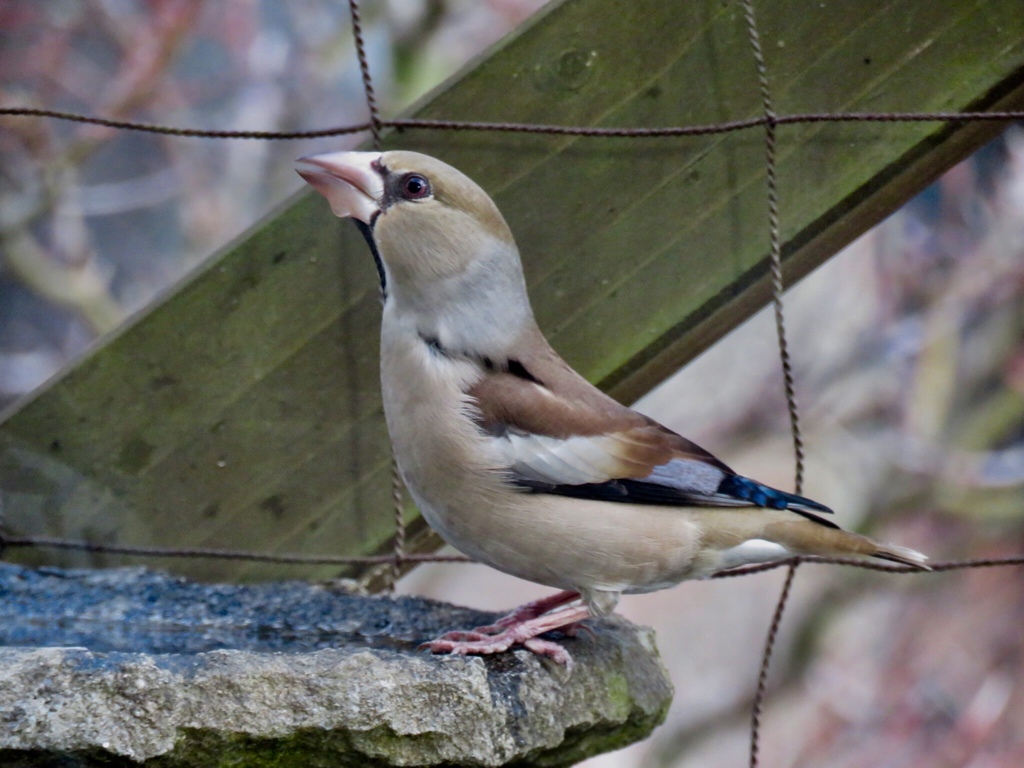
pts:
[130, 666]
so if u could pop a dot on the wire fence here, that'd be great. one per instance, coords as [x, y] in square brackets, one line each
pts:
[768, 121]
[128, 550]
[412, 124]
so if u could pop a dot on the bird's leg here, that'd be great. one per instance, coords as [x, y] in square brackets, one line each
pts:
[571, 630]
[522, 633]
[528, 611]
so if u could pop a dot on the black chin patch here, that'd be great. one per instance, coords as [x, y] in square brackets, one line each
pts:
[367, 231]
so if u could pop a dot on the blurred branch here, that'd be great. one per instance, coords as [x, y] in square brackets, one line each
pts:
[83, 287]
[68, 272]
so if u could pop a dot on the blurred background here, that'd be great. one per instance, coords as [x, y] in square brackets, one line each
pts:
[911, 384]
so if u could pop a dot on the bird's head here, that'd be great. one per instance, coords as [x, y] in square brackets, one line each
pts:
[442, 247]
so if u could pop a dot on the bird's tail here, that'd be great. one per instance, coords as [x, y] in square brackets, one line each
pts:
[800, 538]
[903, 555]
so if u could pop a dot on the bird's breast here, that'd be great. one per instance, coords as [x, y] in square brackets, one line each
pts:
[446, 461]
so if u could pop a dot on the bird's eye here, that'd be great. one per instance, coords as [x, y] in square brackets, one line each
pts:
[415, 187]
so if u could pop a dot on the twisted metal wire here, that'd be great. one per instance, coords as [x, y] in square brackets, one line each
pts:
[130, 550]
[364, 69]
[398, 544]
[401, 124]
[775, 261]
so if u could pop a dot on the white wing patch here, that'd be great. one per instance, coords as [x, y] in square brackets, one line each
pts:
[598, 459]
[571, 461]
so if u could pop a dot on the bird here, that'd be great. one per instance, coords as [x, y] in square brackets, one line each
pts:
[513, 457]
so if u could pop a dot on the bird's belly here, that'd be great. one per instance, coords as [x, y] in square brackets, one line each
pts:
[573, 544]
[558, 541]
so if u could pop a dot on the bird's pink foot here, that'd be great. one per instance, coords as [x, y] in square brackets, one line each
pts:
[458, 636]
[464, 643]
[476, 644]
[523, 632]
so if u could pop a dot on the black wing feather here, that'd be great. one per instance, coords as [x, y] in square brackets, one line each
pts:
[643, 492]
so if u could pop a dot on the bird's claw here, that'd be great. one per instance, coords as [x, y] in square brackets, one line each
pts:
[552, 650]
[528, 612]
[455, 637]
[465, 643]
[476, 643]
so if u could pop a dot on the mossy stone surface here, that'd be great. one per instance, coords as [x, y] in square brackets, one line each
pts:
[128, 667]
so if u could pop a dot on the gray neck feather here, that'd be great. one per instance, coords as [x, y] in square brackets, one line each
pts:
[479, 310]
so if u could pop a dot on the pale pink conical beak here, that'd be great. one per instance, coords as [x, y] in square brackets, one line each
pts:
[351, 181]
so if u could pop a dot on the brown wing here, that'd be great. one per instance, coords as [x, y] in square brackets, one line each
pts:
[561, 428]
[560, 434]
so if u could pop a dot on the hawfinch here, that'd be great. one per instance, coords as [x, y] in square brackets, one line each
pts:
[513, 457]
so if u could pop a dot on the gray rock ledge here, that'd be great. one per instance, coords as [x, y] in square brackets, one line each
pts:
[129, 666]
